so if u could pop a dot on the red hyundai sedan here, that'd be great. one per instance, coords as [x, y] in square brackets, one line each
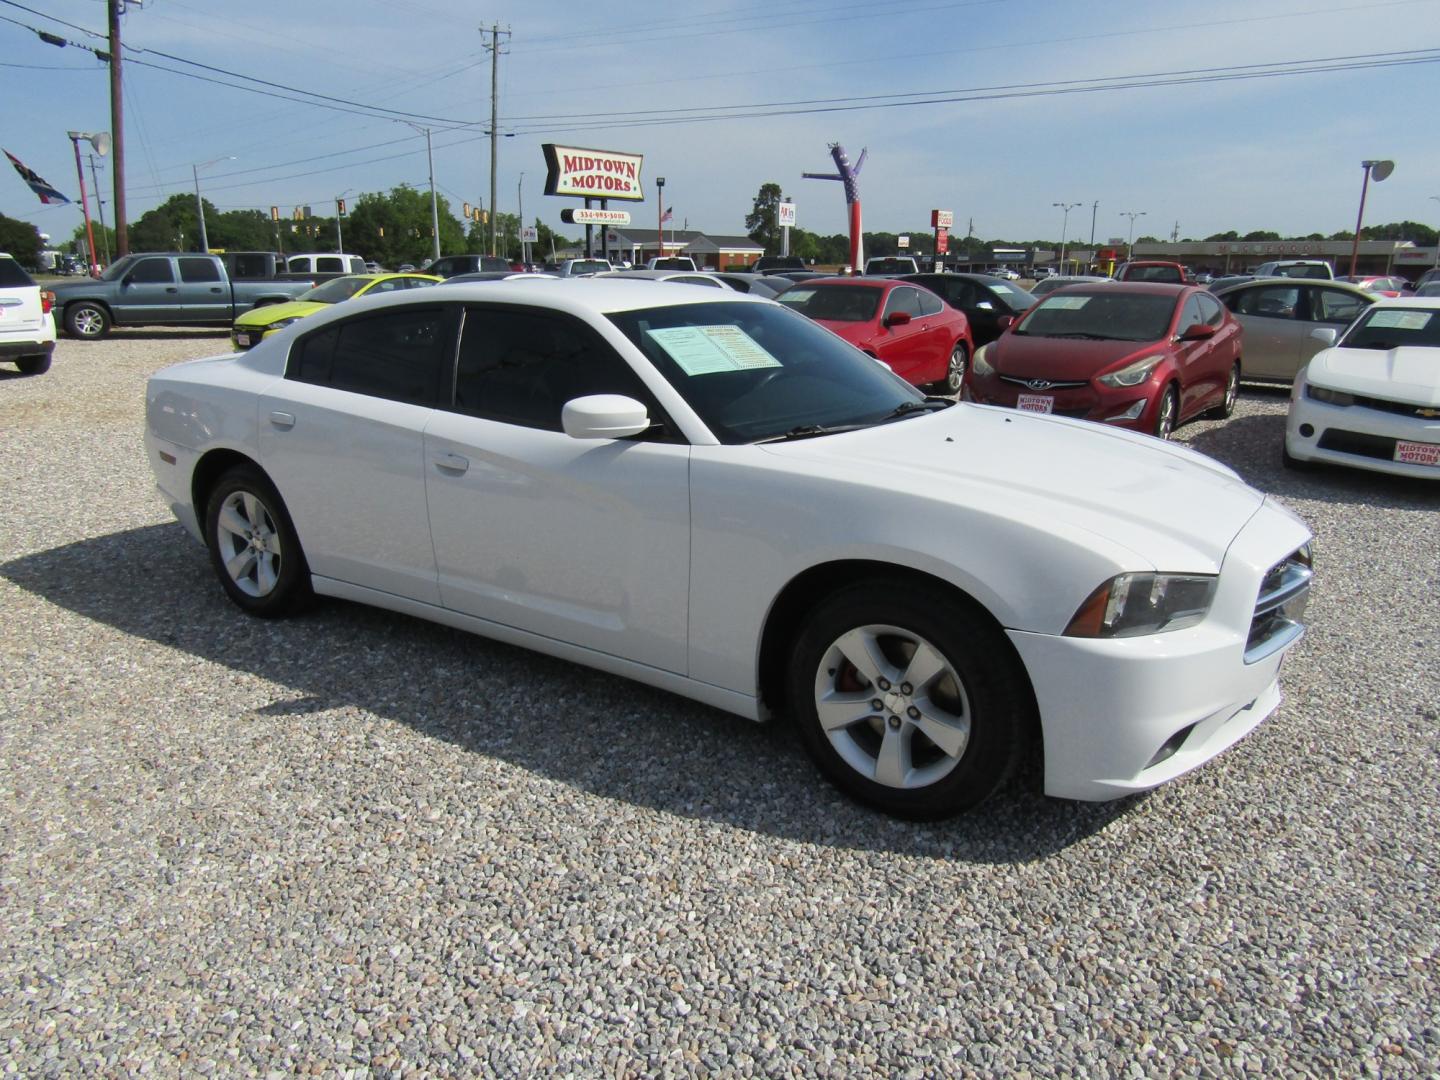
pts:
[924, 340]
[1142, 356]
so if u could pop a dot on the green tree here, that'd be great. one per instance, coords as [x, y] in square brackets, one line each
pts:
[20, 239]
[762, 223]
[1261, 234]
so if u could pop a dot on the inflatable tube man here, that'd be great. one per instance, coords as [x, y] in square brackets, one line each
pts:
[850, 178]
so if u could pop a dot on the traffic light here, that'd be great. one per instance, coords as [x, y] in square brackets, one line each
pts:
[340, 207]
[382, 230]
[467, 209]
[274, 213]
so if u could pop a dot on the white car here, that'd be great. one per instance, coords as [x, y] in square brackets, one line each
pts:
[1005, 272]
[1372, 400]
[711, 494]
[27, 326]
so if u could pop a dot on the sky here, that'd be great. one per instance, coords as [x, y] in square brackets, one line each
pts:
[994, 109]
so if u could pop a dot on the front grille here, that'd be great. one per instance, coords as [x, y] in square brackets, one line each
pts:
[1283, 595]
[1052, 384]
[1358, 443]
[1400, 408]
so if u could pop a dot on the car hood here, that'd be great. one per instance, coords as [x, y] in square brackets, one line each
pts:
[1062, 358]
[1410, 373]
[273, 313]
[1172, 507]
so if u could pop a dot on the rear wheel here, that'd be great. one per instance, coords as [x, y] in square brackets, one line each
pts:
[1226, 408]
[1165, 415]
[908, 701]
[33, 365]
[955, 371]
[253, 545]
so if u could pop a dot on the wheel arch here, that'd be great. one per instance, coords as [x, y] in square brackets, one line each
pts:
[94, 301]
[803, 592]
[208, 470]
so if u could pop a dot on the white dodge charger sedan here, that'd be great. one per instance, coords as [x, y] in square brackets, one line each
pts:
[708, 493]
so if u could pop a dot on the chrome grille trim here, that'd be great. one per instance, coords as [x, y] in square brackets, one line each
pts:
[1278, 609]
[1055, 384]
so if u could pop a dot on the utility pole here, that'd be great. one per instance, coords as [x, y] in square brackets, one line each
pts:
[494, 49]
[99, 205]
[117, 130]
[1175, 233]
[1094, 208]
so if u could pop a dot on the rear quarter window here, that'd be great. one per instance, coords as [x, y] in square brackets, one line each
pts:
[13, 275]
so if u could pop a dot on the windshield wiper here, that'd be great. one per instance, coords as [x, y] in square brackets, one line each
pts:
[1087, 336]
[910, 408]
[809, 431]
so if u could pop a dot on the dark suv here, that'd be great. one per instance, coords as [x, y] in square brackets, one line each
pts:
[768, 264]
[451, 265]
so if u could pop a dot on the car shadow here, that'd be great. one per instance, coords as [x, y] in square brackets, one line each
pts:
[597, 732]
[1251, 445]
[142, 333]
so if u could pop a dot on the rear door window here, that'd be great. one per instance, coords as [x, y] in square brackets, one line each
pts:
[199, 270]
[398, 355]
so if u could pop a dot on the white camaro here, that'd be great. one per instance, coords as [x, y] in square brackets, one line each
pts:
[1372, 401]
[711, 494]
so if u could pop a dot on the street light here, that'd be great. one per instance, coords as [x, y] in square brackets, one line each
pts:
[1130, 244]
[1436, 198]
[520, 198]
[199, 204]
[660, 217]
[1379, 170]
[1064, 228]
[100, 140]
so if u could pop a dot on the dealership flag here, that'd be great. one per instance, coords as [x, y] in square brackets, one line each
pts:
[47, 193]
[668, 214]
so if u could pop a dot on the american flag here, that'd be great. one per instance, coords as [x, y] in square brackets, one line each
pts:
[669, 213]
[47, 193]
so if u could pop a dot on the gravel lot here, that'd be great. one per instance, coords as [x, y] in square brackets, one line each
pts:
[357, 843]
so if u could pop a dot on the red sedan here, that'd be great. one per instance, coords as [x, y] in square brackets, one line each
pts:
[1142, 356]
[924, 340]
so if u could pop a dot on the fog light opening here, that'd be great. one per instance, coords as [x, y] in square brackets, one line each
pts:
[1307, 430]
[1171, 747]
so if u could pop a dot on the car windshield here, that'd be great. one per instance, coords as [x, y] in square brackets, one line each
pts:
[1016, 297]
[1167, 274]
[335, 290]
[1312, 271]
[754, 372]
[589, 266]
[833, 303]
[1105, 316]
[1388, 328]
[118, 269]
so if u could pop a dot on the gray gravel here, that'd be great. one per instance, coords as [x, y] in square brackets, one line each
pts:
[357, 843]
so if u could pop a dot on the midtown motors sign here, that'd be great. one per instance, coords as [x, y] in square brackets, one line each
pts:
[592, 174]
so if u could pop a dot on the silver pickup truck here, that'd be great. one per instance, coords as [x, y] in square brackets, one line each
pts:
[163, 289]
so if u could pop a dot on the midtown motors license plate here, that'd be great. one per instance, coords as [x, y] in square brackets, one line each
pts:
[1417, 453]
[1035, 403]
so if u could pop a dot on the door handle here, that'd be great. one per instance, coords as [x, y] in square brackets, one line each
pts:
[171, 288]
[216, 289]
[451, 462]
[282, 420]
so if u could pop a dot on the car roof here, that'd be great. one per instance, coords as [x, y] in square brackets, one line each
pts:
[1334, 283]
[859, 282]
[592, 296]
[1137, 288]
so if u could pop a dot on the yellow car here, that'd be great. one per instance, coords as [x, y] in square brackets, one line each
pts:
[260, 322]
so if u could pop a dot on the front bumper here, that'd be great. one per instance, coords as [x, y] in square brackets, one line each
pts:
[1356, 435]
[1125, 715]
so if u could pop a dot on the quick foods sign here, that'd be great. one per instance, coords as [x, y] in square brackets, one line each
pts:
[592, 174]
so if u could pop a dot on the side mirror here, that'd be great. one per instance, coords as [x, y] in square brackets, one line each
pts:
[1198, 332]
[897, 318]
[604, 416]
[1325, 335]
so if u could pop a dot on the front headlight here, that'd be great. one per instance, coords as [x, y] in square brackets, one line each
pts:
[1330, 397]
[280, 324]
[979, 363]
[1134, 373]
[1132, 604]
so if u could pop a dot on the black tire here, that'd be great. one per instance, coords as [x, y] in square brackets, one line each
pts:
[87, 321]
[276, 580]
[981, 688]
[33, 365]
[1226, 408]
[1167, 416]
[955, 371]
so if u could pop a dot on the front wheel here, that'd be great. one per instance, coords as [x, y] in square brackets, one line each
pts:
[1166, 413]
[253, 545]
[910, 702]
[87, 321]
